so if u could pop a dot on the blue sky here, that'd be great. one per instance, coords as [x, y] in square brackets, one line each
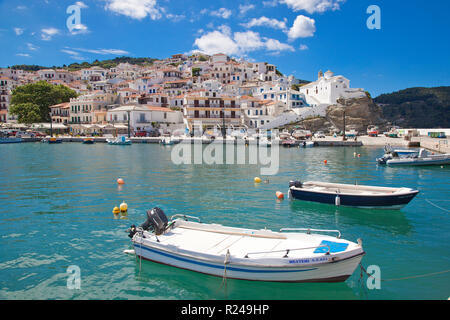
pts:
[299, 36]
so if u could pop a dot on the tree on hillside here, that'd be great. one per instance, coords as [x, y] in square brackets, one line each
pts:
[31, 102]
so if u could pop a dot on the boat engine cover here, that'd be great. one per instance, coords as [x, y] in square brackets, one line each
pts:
[157, 220]
[296, 184]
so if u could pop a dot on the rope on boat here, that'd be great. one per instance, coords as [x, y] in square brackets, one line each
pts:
[435, 205]
[403, 278]
[226, 261]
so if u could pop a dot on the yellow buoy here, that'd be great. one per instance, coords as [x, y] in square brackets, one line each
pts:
[257, 180]
[123, 207]
[116, 210]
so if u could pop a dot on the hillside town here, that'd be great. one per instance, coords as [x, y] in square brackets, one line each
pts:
[177, 92]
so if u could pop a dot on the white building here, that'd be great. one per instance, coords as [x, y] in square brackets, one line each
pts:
[328, 89]
[145, 117]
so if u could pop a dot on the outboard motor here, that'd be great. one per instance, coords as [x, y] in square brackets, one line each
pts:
[296, 184]
[156, 221]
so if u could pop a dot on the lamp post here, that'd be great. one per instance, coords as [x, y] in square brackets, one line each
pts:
[128, 111]
[51, 125]
[344, 138]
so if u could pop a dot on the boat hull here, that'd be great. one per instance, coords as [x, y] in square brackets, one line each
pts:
[416, 162]
[10, 140]
[337, 271]
[363, 201]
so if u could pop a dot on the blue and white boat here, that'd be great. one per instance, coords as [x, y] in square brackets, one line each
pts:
[351, 195]
[52, 140]
[290, 255]
[119, 141]
[423, 158]
[10, 140]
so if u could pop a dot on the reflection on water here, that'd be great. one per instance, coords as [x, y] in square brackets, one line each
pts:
[391, 221]
[150, 273]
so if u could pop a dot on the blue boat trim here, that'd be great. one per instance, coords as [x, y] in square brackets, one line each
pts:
[335, 247]
[215, 266]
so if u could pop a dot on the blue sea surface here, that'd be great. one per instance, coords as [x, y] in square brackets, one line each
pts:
[56, 212]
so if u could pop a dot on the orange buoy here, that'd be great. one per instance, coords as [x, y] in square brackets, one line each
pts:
[280, 195]
[120, 181]
[325, 161]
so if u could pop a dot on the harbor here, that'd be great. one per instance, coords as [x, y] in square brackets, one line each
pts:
[65, 197]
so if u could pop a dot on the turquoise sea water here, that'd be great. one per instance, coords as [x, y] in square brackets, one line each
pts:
[56, 203]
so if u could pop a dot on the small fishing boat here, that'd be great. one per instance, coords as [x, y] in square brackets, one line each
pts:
[372, 131]
[290, 143]
[351, 195]
[423, 158]
[391, 153]
[167, 141]
[351, 133]
[88, 141]
[307, 144]
[119, 141]
[10, 140]
[52, 140]
[290, 255]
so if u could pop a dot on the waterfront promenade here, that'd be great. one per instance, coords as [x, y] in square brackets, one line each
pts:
[433, 144]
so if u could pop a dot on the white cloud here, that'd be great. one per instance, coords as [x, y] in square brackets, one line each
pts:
[73, 54]
[267, 22]
[81, 4]
[136, 9]
[270, 3]
[79, 29]
[26, 55]
[276, 46]
[303, 27]
[21, 8]
[238, 43]
[48, 33]
[243, 8]
[18, 31]
[31, 47]
[303, 47]
[102, 51]
[221, 13]
[175, 17]
[312, 6]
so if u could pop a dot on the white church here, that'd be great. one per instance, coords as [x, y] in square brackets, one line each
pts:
[328, 88]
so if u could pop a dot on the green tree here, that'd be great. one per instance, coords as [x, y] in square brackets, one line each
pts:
[27, 113]
[41, 95]
[196, 72]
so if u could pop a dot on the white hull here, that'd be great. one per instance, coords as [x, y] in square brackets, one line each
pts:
[334, 272]
[256, 255]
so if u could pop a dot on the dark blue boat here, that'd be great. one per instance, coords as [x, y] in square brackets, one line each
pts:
[11, 140]
[351, 195]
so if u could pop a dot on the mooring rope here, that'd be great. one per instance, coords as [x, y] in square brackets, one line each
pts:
[435, 205]
[403, 278]
[226, 261]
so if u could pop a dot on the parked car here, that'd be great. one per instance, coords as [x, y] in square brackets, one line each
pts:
[140, 134]
[319, 135]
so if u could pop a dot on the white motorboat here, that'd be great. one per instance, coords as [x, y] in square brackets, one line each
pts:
[290, 255]
[307, 144]
[119, 141]
[423, 158]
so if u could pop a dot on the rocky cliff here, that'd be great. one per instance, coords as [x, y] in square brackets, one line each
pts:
[359, 114]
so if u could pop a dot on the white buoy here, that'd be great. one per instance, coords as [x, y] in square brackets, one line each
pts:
[338, 201]
[128, 251]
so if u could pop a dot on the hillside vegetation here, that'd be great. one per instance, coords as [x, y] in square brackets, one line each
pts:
[77, 66]
[417, 107]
